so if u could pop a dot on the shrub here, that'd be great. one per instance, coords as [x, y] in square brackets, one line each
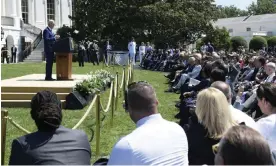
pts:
[97, 81]
[257, 43]
[272, 42]
[237, 42]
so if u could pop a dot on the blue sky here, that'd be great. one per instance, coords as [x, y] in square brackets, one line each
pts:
[242, 4]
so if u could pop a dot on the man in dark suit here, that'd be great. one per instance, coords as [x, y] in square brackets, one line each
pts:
[4, 54]
[13, 52]
[52, 144]
[49, 40]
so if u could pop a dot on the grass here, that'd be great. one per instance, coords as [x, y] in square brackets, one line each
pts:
[122, 124]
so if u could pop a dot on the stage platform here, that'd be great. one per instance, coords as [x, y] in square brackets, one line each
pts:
[18, 92]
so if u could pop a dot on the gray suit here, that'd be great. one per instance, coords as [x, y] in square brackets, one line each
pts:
[64, 146]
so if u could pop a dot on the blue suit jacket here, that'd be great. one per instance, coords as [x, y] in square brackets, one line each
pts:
[49, 40]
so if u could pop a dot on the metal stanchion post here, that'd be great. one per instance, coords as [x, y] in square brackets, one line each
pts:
[4, 115]
[98, 125]
[124, 83]
[112, 105]
[117, 89]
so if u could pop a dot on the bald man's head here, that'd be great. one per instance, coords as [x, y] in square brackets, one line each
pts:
[224, 88]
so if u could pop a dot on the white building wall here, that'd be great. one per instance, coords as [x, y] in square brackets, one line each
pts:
[37, 15]
[240, 28]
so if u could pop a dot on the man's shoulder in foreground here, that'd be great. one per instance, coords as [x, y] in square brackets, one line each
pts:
[240, 117]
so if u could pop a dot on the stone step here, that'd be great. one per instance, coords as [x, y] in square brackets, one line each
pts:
[22, 103]
[26, 96]
[13, 89]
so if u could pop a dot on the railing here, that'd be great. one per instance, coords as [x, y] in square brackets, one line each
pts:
[115, 89]
[31, 29]
[24, 54]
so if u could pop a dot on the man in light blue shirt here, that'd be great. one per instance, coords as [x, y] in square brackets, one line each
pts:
[155, 141]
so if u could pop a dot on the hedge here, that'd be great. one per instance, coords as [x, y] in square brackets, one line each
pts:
[237, 42]
[257, 43]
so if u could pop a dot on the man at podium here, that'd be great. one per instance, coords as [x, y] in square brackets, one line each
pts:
[49, 40]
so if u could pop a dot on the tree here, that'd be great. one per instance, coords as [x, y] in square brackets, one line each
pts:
[257, 43]
[160, 21]
[219, 38]
[231, 11]
[237, 42]
[272, 42]
[262, 7]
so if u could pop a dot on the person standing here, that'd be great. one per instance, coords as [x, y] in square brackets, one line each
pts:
[132, 50]
[4, 54]
[13, 52]
[108, 48]
[88, 52]
[94, 52]
[81, 54]
[142, 51]
[148, 47]
[49, 40]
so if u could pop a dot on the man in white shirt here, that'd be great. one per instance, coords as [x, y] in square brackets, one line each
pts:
[239, 116]
[132, 50]
[266, 95]
[142, 51]
[155, 141]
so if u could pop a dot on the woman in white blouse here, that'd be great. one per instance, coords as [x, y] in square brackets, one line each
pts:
[142, 51]
[266, 95]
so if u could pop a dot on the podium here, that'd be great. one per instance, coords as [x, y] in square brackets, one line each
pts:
[63, 49]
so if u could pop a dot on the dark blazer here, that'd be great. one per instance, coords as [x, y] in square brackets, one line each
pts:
[13, 53]
[200, 145]
[62, 147]
[49, 40]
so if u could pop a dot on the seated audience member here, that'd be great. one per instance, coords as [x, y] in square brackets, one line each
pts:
[155, 141]
[266, 96]
[193, 74]
[238, 116]
[242, 145]
[270, 69]
[212, 119]
[52, 144]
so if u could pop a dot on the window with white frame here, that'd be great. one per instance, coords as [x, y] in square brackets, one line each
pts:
[51, 9]
[24, 9]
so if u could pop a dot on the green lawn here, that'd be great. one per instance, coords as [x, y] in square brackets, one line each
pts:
[109, 135]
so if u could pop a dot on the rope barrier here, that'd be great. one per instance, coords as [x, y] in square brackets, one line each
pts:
[86, 113]
[109, 100]
[17, 125]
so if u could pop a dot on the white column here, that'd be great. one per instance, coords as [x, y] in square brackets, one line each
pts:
[11, 8]
[18, 7]
[3, 7]
[31, 14]
[57, 13]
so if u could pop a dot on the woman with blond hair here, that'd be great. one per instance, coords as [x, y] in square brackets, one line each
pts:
[211, 120]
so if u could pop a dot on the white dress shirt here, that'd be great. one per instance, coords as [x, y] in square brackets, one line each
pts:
[155, 141]
[270, 78]
[132, 47]
[142, 49]
[267, 127]
[240, 117]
